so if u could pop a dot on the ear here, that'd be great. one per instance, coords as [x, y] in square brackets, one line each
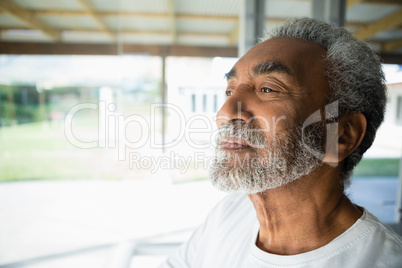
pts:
[351, 131]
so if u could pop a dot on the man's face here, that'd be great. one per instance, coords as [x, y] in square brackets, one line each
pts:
[271, 90]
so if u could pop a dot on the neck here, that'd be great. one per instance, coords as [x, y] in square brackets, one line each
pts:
[303, 215]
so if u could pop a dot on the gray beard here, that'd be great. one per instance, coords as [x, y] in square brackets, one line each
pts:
[272, 162]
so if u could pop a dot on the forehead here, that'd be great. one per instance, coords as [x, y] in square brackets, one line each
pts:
[300, 56]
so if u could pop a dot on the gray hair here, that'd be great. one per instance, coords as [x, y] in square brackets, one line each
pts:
[354, 75]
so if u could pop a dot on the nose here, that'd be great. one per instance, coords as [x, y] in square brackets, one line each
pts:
[234, 110]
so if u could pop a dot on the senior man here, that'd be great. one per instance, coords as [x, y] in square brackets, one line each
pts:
[302, 107]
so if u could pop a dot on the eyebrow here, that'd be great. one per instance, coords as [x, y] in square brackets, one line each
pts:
[230, 74]
[263, 69]
[271, 67]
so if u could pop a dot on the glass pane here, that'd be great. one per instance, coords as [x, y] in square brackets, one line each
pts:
[70, 117]
[375, 179]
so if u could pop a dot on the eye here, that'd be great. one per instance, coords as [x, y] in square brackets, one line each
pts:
[229, 93]
[266, 90]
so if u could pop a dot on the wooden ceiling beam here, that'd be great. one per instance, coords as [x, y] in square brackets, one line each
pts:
[127, 32]
[161, 16]
[391, 58]
[391, 21]
[124, 14]
[74, 13]
[178, 16]
[172, 20]
[29, 19]
[206, 17]
[113, 49]
[282, 20]
[391, 45]
[89, 9]
[234, 35]
[351, 3]
[384, 2]
[199, 51]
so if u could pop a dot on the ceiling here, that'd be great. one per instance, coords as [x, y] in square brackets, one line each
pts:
[183, 26]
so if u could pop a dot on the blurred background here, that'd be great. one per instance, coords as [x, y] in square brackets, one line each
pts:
[107, 120]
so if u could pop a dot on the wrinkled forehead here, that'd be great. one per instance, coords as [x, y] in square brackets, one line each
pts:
[296, 56]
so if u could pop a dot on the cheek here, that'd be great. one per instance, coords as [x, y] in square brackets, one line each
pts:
[276, 118]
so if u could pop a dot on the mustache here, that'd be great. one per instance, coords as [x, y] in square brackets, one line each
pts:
[244, 132]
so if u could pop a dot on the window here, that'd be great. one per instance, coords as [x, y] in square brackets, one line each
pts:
[193, 105]
[204, 103]
[215, 103]
[399, 110]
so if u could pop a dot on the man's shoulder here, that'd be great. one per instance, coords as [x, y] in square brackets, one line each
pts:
[382, 232]
[234, 203]
[234, 207]
[235, 199]
[372, 242]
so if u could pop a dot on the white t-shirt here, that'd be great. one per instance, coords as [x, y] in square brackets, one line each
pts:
[227, 239]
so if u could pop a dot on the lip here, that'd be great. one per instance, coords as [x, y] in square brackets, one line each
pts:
[234, 143]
